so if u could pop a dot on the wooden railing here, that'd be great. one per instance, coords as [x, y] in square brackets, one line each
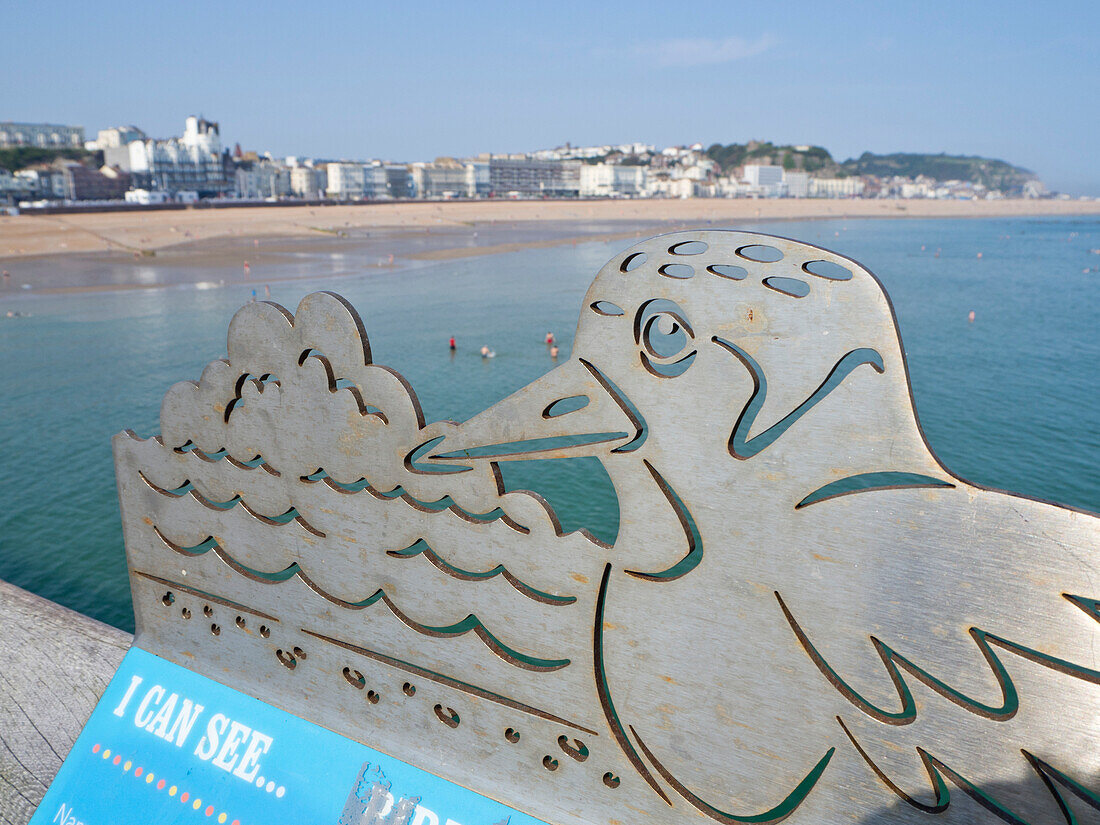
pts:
[54, 665]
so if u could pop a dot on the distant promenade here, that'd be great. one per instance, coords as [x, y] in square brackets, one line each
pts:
[147, 233]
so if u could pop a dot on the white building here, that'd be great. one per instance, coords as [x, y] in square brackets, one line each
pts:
[763, 176]
[190, 163]
[44, 135]
[305, 183]
[118, 136]
[445, 178]
[43, 182]
[835, 187]
[345, 181]
[608, 180]
[797, 184]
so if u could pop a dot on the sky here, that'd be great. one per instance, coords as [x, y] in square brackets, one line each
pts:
[407, 81]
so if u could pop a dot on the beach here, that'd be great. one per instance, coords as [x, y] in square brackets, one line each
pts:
[35, 247]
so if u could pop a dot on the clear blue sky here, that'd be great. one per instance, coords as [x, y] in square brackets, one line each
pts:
[412, 81]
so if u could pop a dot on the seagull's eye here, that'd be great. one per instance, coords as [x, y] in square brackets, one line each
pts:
[666, 338]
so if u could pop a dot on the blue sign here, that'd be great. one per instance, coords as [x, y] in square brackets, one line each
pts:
[167, 745]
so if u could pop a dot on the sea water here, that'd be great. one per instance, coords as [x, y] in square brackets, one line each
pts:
[1009, 400]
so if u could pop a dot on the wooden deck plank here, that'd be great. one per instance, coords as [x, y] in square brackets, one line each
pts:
[54, 666]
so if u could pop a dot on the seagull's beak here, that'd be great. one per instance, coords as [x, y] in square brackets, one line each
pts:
[573, 410]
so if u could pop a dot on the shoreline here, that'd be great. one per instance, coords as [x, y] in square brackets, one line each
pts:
[64, 254]
[24, 236]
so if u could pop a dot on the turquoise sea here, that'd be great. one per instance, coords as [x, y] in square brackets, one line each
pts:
[1009, 400]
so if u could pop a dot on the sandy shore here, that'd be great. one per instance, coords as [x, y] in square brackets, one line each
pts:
[143, 233]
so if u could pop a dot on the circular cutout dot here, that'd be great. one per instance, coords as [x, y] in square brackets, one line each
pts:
[184, 796]
[167, 599]
[373, 697]
[160, 785]
[138, 771]
[280, 792]
[760, 253]
[207, 610]
[260, 781]
[795, 287]
[222, 817]
[408, 689]
[107, 753]
[677, 271]
[265, 631]
[240, 622]
[172, 790]
[734, 273]
[127, 766]
[269, 787]
[116, 760]
[215, 629]
[96, 748]
[827, 269]
[632, 262]
[611, 780]
[209, 810]
[185, 613]
[149, 777]
[196, 804]
[512, 735]
[688, 248]
[550, 763]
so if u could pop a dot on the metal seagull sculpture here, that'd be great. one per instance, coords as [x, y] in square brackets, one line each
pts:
[804, 616]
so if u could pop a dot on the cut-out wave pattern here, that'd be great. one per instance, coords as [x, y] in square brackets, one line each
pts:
[422, 548]
[187, 488]
[471, 623]
[399, 492]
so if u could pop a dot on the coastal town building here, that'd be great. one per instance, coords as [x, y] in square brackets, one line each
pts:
[443, 178]
[767, 178]
[797, 184]
[836, 187]
[84, 184]
[193, 162]
[305, 183]
[517, 176]
[387, 181]
[345, 181]
[43, 182]
[43, 135]
[118, 136]
[606, 180]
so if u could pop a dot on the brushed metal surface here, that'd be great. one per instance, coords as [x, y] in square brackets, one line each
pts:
[804, 615]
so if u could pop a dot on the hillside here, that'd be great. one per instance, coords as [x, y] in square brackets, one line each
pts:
[994, 174]
[20, 157]
[813, 159]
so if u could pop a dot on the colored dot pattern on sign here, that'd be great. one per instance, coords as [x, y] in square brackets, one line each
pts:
[196, 802]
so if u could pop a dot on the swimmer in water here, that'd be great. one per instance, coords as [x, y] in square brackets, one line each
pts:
[554, 352]
[550, 339]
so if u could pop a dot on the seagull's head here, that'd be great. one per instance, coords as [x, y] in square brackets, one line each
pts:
[707, 346]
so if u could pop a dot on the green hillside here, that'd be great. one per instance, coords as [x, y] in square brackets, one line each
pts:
[995, 174]
[20, 157]
[792, 158]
